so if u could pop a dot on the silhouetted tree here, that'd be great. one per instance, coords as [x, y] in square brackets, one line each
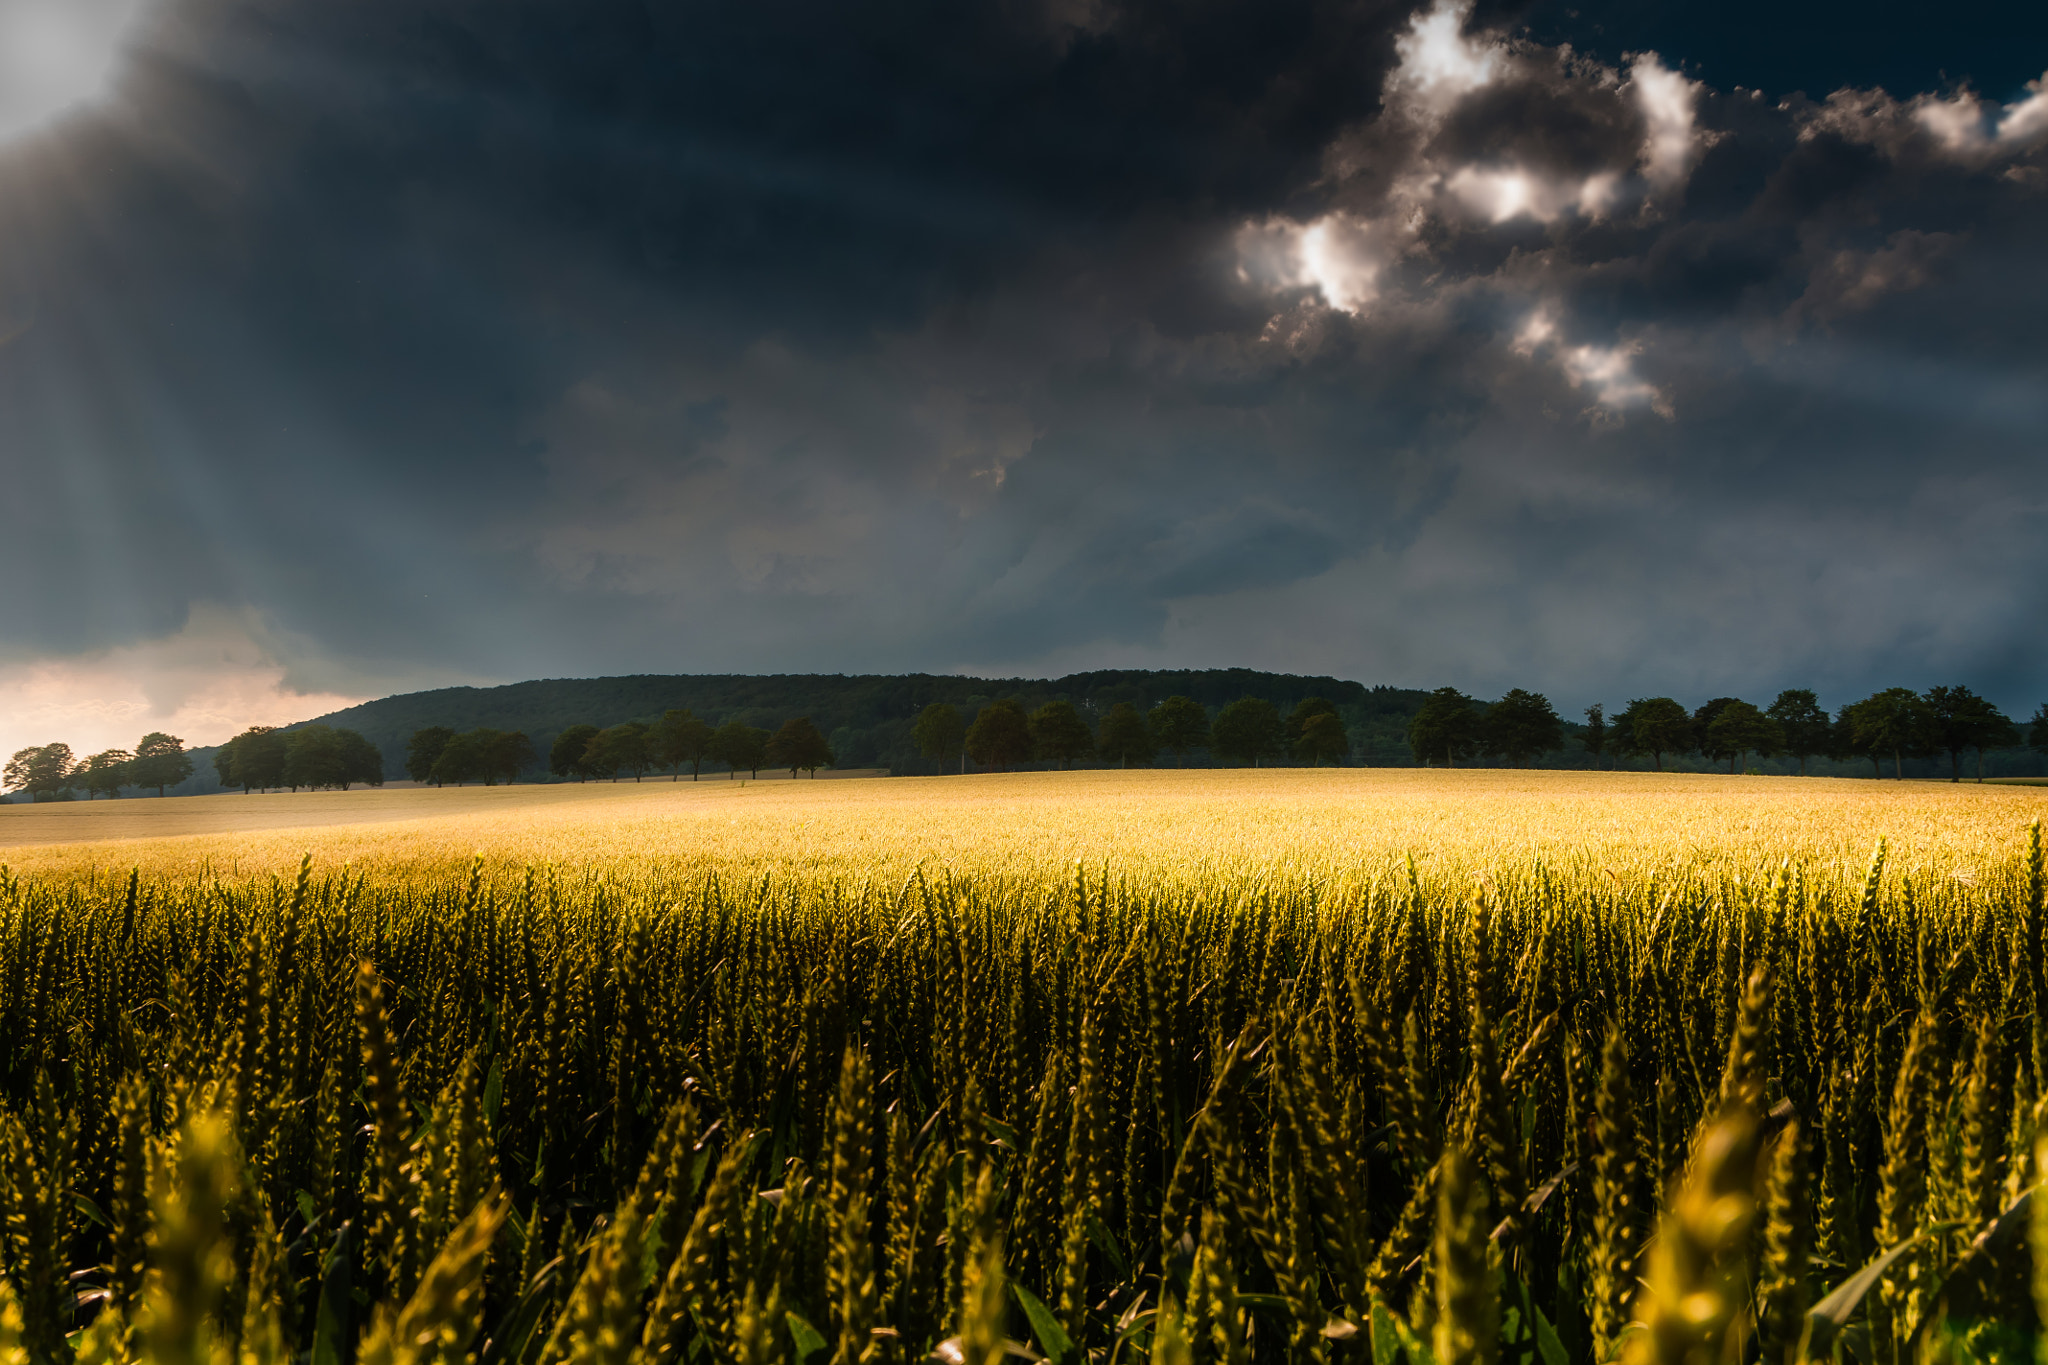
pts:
[1803, 727]
[464, 759]
[252, 760]
[1445, 726]
[1595, 738]
[106, 771]
[1125, 735]
[1179, 724]
[1305, 710]
[1247, 730]
[318, 756]
[1323, 736]
[799, 744]
[160, 761]
[738, 745]
[1959, 719]
[622, 748]
[424, 749]
[1739, 728]
[44, 771]
[681, 738]
[939, 733]
[1656, 726]
[1702, 729]
[2037, 729]
[1059, 735]
[565, 755]
[1000, 736]
[1895, 721]
[1520, 726]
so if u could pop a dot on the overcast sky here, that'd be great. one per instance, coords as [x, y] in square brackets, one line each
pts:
[1607, 349]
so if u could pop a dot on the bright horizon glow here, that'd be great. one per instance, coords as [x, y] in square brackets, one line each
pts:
[205, 684]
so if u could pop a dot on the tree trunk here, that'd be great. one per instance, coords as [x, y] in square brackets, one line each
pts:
[1980, 763]
[1899, 764]
[1955, 765]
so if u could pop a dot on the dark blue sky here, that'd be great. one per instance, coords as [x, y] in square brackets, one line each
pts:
[364, 347]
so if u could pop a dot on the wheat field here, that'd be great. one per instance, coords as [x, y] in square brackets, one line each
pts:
[1440, 1068]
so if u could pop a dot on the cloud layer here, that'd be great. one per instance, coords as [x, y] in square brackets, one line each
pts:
[453, 343]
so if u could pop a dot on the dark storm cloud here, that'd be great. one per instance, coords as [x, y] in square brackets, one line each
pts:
[459, 340]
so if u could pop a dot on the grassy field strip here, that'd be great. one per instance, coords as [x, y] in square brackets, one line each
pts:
[1161, 823]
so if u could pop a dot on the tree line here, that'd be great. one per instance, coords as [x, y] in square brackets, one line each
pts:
[49, 772]
[1896, 723]
[1249, 730]
[680, 739]
[316, 757]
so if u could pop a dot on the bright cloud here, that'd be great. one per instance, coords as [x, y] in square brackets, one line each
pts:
[210, 681]
[1666, 100]
[1439, 64]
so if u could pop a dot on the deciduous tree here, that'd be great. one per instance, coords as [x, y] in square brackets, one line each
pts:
[622, 748]
[1179, 724]
[681, 738]
[1323, 736]
[1247, 730]
[1305, 710]
[739, 745]
[1000, 736]
[1520, 726]
[160, 761]
[939, 733]
[1656, 726]
[1059, 735]
[1445, 727]
[799, 744]
[252, 760]
[1124, 736]
[1739, 728]
[423, 749]
[1959, 719]
[44, 771]
[1803, 727]
[1895, 721]
[565, 755]
[1595, 738]
[106, 771]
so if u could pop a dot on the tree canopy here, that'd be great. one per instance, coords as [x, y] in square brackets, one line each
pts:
[1803, 726]
[1247, 730]
[1655, 726]
[1959, 719]
[1896, 721]
[739, 745]
[1124, 735]
[1521, 726]
[681, 738]
[939, 732]
[1000, 736]
[107, 771]
[1323, 736]
[44, 771]
[160, 761]
[799, 744]
[423, 750]
[565, 756]
[1059, 735]
[1738, 728]
[1179, 724]
[1445, 727]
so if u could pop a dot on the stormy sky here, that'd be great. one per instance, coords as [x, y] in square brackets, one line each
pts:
[1607, 350]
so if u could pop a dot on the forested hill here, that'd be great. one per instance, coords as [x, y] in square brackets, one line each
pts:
[867, 717]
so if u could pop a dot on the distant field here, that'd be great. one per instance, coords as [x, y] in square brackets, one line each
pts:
[1309, 822]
